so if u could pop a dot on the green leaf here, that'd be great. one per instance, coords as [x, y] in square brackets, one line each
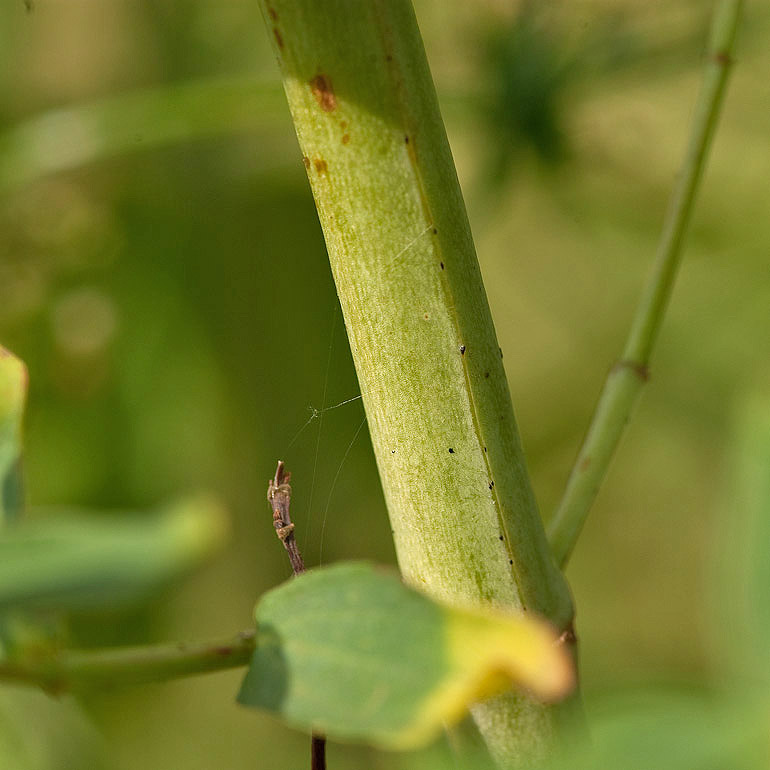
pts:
[13, 392]
[351, 652]
[73, 561]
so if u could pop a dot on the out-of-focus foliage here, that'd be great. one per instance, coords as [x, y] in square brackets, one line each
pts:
[66, 561]
[742, 574]
[38, 732]
[175, 310]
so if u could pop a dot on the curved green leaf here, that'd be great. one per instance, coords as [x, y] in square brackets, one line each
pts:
[13, 393]
[69, 137]
[66, 561]
[352, 652]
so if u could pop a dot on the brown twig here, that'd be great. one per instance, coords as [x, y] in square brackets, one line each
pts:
[279, 497]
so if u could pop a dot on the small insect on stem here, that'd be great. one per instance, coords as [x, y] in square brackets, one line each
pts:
[279, 497]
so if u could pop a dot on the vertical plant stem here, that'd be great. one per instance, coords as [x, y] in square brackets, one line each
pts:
[625, 380]
[464, 519]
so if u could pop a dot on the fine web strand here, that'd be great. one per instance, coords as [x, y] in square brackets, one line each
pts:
[320, 427]
[313, 416]
[334, 482]
[342, 403]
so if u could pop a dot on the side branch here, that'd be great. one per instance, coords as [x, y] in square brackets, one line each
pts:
[624, 383]
[80, 670]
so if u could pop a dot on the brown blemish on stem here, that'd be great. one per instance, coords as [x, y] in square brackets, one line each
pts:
[640, 370]
[568, 636]
[324, 93]
[345, 138]
[273, 14]
[306, 161]
[278, 38]
[343, 124]
[321, 166]
[223, 651]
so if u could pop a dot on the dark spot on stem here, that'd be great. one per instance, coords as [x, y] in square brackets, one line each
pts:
[501, 538]
[510, 561]
[223, 651]
[345, 138]
[393, 451]
[425, 316]
[324, 93]
[462, 350]
[501, 352]
[486, 375]
[640, 370]
[491, 484]
[485, 449]
[406, 139]
[388, 58]
[442, 265]
[306, 161]
[343, 124]
[278, 38]
[722, 58]
[320, 165]
[435, 231]
[451, 451]
[273, 14]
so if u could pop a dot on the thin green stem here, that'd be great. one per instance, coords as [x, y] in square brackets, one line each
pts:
[625, 380]
[78, 670]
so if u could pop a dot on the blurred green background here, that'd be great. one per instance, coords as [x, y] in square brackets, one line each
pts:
[163, 274]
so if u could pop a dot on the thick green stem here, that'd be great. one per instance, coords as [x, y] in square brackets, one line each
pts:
[78, 670]
[464, 519]
[625, 381]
